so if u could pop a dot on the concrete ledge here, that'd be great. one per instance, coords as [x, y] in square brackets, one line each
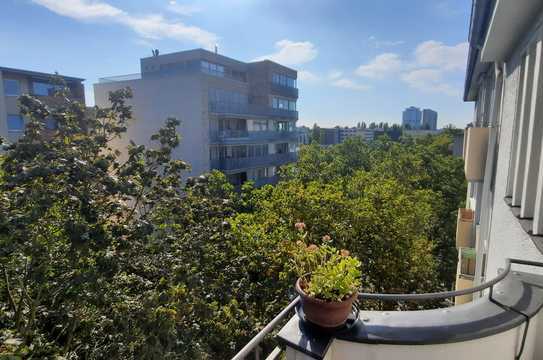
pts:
[519, 292]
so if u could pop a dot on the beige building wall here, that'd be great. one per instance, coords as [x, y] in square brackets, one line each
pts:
[154, 100]
[9, 104]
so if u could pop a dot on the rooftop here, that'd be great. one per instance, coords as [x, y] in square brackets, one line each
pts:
[37, 74]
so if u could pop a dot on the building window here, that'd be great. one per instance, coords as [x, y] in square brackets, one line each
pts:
[260, 125]
[212, 69]
[45, 89]
[12, 87]
[284, 104]
[283, 80]
[15, 123]
[227, 101]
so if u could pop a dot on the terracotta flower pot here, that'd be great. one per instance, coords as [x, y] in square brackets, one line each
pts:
[327, 314]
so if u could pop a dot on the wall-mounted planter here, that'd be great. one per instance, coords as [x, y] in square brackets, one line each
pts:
[466, 260]
[464, 228]
[475, 149]
[465, 273]
[463, 282]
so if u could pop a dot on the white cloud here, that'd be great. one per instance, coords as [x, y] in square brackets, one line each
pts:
[429, 80]
[349, 84]
[307, 76]
[335, 74]
[80, 9]
[384, 43]
[151, 26]
[436, 54]
[380, 66]
[292, 53]
[184, 9]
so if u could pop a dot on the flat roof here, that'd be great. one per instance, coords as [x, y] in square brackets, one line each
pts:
[38, 74]
[202, 51]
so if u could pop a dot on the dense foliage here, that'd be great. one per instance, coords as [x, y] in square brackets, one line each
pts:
[103, 258]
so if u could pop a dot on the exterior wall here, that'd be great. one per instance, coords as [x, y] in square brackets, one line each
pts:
[429, 119]
[330, 136]
[157, 98]
[3, 112]
[9, 104]
[501, 234]
[176, 85]
[412, 116]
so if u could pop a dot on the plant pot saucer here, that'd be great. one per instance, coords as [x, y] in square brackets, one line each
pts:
[351, 321]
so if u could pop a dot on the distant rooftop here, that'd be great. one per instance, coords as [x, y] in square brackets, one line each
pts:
[38, 74]
[201, 52]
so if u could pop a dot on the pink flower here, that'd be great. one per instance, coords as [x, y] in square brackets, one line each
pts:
[300, 226]
[326, 238]
[344, 253]
[312, 247]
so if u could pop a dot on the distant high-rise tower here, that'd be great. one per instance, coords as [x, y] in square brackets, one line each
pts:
[429, 119]
[412, 117]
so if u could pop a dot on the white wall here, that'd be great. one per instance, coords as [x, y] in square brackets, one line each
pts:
[506, 238]
[157, 98]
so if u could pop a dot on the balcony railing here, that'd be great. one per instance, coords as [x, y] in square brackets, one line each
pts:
[286, 91]
[253, 162]
[244, 136]
[256, 110]
[496, 326]
[126, 77]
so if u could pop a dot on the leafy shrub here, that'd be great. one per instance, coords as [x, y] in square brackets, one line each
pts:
[335, 280]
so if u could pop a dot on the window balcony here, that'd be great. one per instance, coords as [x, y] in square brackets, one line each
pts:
[249, 137]
[475, 149]
[277, 89]
[464, 229]
[230, 164]
[504, 323]
[251, 110]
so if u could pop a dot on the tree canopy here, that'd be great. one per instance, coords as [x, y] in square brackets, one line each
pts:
[110, 259]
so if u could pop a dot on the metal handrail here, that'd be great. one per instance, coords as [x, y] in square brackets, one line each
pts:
[251, 345]
[450, 294]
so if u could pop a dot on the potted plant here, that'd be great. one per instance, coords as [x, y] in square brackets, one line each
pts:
[328, 281]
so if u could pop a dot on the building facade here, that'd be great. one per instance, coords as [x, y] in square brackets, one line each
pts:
[330, 136]
[15, 82]
[236, 117]
[347, 132]
[503, 146]
[412, 117]
[304, 135]
[429, 119]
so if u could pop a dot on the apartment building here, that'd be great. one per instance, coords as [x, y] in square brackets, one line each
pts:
[429, 119]
[236, 117]
[330, 136]
[348, 132]
[499, 285]
[412, 117]
[503, 145]
[304, 135]
[16, 82]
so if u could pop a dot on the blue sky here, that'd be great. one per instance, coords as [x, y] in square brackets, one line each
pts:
[358, 60]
